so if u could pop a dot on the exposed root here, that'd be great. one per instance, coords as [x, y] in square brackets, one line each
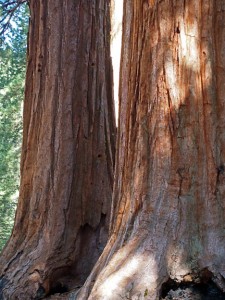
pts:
[192, 288]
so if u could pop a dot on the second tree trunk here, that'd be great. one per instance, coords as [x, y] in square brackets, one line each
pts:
[62, 218]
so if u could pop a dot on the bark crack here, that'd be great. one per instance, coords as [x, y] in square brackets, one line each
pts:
[181, 179]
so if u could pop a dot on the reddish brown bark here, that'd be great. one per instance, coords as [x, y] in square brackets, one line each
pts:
[169, 197]
[62, 218]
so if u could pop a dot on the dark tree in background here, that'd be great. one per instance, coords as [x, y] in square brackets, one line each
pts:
[12, 74]
[62, 217]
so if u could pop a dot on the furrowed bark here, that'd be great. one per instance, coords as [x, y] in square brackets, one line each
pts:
[62, 218]
[169, 197]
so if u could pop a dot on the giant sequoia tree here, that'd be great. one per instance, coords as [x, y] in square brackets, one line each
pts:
[168, 207]
[169, 198]
[62, 218]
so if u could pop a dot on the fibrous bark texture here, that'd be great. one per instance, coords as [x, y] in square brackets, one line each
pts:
[169, 194]
[62, 218]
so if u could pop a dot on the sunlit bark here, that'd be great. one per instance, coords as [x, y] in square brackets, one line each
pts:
[169, 197]
[62, 218]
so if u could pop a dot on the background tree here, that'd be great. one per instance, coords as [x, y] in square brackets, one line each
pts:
[169, 198]
[62, 216]
[12, 74]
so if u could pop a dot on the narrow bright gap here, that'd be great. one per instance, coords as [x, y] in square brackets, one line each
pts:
[116, 35]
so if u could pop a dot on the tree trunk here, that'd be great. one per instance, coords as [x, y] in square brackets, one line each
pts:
[61, 224]
[169, 196]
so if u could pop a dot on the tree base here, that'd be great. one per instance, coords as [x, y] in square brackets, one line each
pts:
[172, 290]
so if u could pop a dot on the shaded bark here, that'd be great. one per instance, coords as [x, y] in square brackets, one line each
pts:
[62, 218]
[169, 198]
